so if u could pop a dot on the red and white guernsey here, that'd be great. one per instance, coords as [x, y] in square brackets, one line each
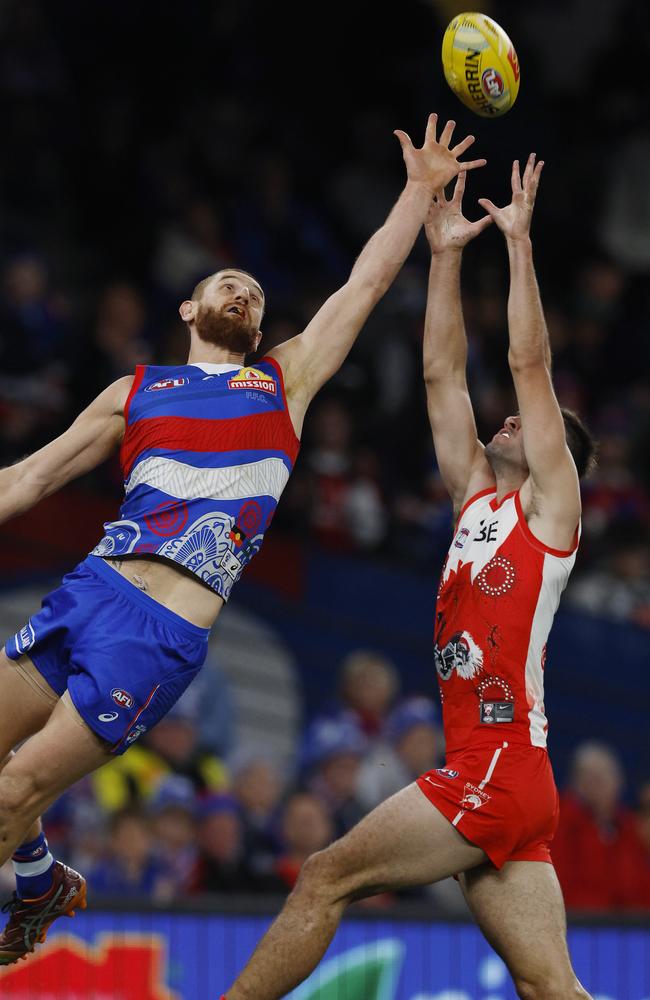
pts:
[499, 591]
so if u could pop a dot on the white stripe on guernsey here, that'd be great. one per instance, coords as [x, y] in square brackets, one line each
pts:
[27, 869]
[235, 482]
[555, 573]
[490, 771]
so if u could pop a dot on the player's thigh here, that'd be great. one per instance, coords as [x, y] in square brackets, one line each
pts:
[404, 842]
[26, 701]
[57, 756]
[520, 910]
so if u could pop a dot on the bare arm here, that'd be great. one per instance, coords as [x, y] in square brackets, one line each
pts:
[311, 358]
[460, 456]
[93, 436]
[551, 495]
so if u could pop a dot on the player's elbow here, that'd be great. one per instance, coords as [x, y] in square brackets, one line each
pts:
[527, 360]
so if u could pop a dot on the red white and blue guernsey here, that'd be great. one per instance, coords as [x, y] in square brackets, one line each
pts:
[498, 594]
[207, 451]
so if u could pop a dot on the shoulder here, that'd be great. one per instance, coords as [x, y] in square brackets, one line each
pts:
[117, 393]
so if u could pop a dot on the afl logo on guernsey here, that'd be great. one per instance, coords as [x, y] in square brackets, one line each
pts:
[166, 383]
[252, 378]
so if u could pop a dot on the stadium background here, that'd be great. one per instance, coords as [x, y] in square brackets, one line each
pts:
[147, 145]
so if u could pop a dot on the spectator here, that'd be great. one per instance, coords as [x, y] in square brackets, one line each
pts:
[331, 756]
[258, 787]
[413, 744]
[368, 684]
[597, 851]
[306, 826]
[130, 867]
[171, 748]
[618, 588]
[222, 865]
[173, 814]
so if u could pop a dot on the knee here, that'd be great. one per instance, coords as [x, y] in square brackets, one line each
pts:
[19, 794]
[321, 874]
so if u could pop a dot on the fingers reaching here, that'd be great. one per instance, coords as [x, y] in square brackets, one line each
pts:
[447, 132]
[516, 178]
[481, 224]
[459, 190]
[489, 207]
[430, 134]
[404, 140]
[532, 174]
[461, 147]
[472, 164]
[528, 172]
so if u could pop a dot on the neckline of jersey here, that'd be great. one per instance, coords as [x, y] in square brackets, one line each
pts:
[213, 369]
[495, 504]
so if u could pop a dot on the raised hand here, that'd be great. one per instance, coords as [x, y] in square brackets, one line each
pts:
[514, 220]
[446, 226]
[435, 164]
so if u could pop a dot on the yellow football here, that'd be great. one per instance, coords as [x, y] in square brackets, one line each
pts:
[480, 64]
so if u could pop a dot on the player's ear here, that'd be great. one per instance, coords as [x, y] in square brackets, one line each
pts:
[187, 310]
[258, 337]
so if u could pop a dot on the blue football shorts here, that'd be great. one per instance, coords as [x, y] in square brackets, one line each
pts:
[124, 658]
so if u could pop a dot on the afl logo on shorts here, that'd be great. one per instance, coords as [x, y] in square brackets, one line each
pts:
[122, 698]
[25, 639]
[166, 383]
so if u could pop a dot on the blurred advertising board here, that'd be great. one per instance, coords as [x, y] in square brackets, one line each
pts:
[179, 956]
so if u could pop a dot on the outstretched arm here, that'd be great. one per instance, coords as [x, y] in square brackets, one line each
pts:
[463, 465]
[551, 495]
[90, 440]
[311, 358]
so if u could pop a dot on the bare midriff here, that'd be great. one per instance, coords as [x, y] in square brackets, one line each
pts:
[172, 587]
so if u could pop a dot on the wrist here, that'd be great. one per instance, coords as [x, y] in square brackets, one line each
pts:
[446, 253]
[518, 244]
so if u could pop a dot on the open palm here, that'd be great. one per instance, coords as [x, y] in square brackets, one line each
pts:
[446, 226]
[514, 219]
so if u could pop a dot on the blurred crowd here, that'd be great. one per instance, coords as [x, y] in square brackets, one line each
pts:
[180, 815]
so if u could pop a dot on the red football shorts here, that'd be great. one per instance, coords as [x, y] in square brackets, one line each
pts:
[501, 798]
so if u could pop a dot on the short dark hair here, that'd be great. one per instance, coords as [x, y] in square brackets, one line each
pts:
[580, 442]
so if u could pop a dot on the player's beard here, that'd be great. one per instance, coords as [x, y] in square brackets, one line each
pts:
[225, 329]
[503, 463]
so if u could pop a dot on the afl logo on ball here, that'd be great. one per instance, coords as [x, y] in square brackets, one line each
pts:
[491, 83]
[166, 383]
[122, 698]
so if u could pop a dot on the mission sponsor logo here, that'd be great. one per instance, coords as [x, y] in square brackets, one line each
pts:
[252, 378]
[166, 383]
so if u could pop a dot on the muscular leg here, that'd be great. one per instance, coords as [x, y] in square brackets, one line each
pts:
[404, 842]
[24, 709]
[521, 913]
[59, 754]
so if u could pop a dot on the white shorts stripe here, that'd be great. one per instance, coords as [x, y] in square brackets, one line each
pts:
[493, 764]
